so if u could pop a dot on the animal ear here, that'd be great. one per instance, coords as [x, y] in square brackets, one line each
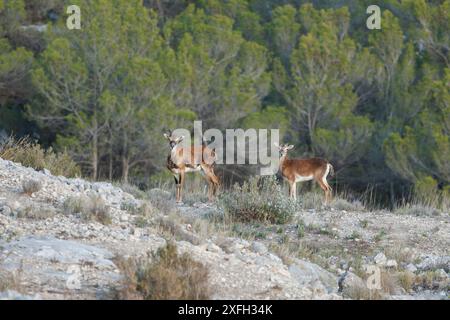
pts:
[290, 147]
[166, 136]
[179, 139]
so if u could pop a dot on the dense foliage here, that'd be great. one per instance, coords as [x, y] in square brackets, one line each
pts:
[376, 103]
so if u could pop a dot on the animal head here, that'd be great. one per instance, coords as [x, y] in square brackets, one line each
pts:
[173, 141]
[284, 148]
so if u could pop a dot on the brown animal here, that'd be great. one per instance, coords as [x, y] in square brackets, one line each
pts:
[297, 170]
[191, 159]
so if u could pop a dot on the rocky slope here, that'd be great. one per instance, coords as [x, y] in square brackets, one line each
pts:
[56, 253]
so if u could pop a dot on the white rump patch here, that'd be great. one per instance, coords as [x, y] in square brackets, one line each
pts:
[324, 178]
[303, 178]
[196, 169]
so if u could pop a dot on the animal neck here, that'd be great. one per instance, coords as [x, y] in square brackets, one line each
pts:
[282, 160]
[174, 153]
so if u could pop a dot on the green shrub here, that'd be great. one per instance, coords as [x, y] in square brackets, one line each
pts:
[31, 154]
[259, 199]
[301, 229]
[164, 275]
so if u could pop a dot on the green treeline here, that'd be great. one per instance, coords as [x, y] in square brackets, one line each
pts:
[376, 103]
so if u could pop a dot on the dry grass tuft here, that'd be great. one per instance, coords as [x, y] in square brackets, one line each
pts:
[90, 208]
[35, 213]
[344, 204]
[132, 189]
[31, 154]
[406, 280]
[31, 186]
[161, 200]
[164, 275]
[10, 280]
[389, 282]
[417, 210]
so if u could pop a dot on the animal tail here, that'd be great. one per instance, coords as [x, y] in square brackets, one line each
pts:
[331, 172]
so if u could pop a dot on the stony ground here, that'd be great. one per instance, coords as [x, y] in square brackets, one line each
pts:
[55, 253]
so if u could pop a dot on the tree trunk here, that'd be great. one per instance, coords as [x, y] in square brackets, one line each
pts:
[110, 173]
[95, 148]
[125, 169]
[125, 160]
[94, 157]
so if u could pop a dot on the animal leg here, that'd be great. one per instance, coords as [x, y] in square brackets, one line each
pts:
[294, 190]
[181, 183]
[212, 179]
[326, 189]
[177, 189]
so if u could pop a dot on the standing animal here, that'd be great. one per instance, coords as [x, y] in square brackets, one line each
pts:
[297, 170]
[182, 160]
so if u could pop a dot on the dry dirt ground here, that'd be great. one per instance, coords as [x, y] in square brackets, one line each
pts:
[52, 251]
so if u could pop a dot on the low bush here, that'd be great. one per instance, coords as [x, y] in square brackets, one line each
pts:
[90, 208]
[31, 154]
[164, 275]
[31, 186]
[259, 199]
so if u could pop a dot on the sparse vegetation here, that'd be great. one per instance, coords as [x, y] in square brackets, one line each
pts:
[31, 154]
[31, 186]
[90, 208]
[417, 210]
[259, 199]
[288, 250]
[321, 229]
[315, 200]
[143, 214]
[247, 231]
[400, 253]
[432, 280]
[406, 280]
[364, 223]
[380, 235]
[164, 275]
[10, 280]
[389, 282]
[141, 222]
[300, 229]
[132, 189]
[189, 198]
[145, 208]
[355, 235]
[311, 200]
[343, 204]
[35, 213]
[161, 200]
